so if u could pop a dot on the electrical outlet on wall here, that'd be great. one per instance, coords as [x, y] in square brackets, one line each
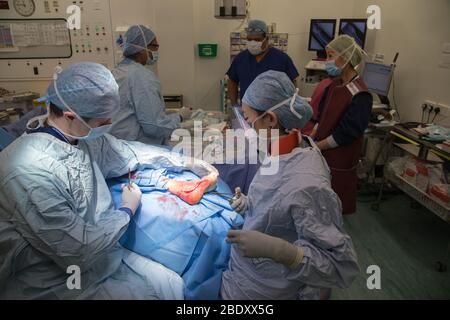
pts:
[443, 115]
[430, 103]
[446, 47]
[445, 109]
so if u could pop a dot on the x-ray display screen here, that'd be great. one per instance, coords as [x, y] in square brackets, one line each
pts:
[355, 28]
[321, 34]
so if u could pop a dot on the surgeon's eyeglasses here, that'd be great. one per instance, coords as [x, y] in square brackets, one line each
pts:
[255, 32]
[153, 46]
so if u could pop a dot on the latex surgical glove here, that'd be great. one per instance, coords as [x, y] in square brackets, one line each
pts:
[239, 202]
[255, 244]
[185, 113]
[131, 197]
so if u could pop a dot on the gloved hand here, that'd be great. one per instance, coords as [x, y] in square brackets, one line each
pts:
[239, 202]
[185, 113]
[255, 244]
[131, 197]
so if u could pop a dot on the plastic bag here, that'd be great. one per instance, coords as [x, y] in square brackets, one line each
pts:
[436, 174]
[440, 193]
[410, 171]
[422, 178]
[397, 164]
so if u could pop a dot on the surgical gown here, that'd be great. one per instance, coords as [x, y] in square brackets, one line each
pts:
[56, 211]
[142, 115]
[299, 206]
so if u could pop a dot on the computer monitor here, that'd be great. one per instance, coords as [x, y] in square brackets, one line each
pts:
[378, 78]
[321, 33]
[355, 28]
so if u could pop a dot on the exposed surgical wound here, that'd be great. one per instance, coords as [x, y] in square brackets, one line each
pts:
[192, 192]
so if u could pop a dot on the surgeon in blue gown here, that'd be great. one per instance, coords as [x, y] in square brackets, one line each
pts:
[142, 116]
[293, 242]
[56, 210]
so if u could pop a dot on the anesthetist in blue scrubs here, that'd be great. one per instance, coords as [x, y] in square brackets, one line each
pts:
[259, 57]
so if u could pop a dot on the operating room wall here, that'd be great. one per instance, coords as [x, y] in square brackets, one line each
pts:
[172, 21]
[416, 29]
[290, 16]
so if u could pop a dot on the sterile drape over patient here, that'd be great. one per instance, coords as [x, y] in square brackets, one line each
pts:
[188, 239]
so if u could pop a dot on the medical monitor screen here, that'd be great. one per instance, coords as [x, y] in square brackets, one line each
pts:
[321, 34]
[355, 28]
[378, 78]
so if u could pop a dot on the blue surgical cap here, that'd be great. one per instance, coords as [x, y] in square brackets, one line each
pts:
[257, 27]
[134, 41]
[272, 88]
[88, 88]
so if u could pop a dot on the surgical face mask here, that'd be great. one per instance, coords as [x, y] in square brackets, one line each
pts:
[93, 133]
[331, 67]
[153, 59]
[255, 47]
[291, 106]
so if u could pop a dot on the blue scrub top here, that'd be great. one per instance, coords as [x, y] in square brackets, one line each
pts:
[245, 68]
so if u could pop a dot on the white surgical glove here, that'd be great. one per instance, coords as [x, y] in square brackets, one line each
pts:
[131, 197]
[255, 244]
[239, 202]
[185, 113]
